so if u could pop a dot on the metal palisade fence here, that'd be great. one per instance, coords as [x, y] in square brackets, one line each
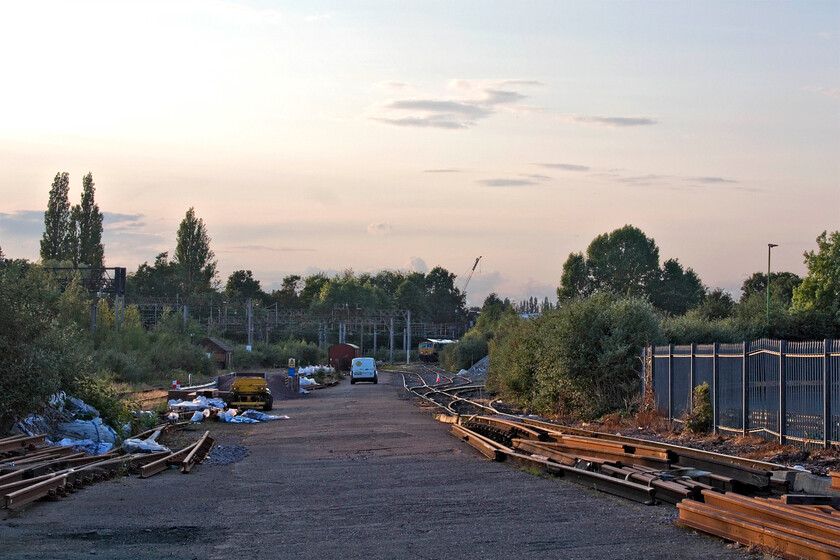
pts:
[788, 391]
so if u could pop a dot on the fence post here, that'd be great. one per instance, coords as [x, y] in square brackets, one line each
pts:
[691, 378]
[670, 382]
[782, 392]
[744, 393]
[715, 419]
[827, 393]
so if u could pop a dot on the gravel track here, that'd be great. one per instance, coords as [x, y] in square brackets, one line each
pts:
[357, 471]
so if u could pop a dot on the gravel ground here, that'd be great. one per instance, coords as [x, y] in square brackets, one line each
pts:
[357, 471]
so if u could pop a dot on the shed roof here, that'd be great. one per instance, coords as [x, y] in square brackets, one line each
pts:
[217, 343]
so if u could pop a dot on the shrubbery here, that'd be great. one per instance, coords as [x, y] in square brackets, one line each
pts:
[277, 355]
[578, 361]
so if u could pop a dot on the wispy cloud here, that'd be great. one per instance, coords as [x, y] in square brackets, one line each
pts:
[834, 93]
[379, 229]
[713, 180]
[478, 100]
[616, 122]
[506, 182]
[123, 222]
[264, 248]
[673, 182]
[564, 166]
[393, 85]
[22, 223]
[537, 176]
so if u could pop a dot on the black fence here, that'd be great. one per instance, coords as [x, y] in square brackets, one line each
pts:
[789, 391]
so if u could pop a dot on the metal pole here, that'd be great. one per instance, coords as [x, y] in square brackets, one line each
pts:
[250, 322]
[391, 340]
[827, 404]
[408, 337]
[782, 392]
[769, 246]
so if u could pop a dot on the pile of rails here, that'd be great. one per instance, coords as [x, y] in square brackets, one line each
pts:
[30, 469]
[710, 489]
[792, 526]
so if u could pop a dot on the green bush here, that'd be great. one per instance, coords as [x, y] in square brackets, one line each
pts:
[693, 327]
[39, 352]
[700, 417]
[277, 355]
[102, 393]
[580, 360]
[466, 352]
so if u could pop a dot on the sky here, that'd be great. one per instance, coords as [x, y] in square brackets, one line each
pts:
[403, 135]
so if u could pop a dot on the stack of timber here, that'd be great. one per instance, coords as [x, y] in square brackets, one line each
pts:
[835, 481]
[619, 466]
[31, 470]
[792, 527]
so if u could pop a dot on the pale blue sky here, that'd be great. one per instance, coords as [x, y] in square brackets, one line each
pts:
[369, 135]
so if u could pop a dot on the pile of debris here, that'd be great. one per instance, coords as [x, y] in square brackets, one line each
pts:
[31, 468]
[202, 408]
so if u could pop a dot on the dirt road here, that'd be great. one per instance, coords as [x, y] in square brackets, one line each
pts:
[357, 471]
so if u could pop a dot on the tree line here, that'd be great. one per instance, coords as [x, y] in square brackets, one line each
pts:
[431, 297]
[581, 358]
[576, 356]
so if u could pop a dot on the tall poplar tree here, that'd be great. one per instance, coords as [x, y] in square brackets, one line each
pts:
[88, 227]
[195, 262]
[55, 242]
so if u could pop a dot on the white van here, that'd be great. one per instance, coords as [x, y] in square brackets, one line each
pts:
[363, 369]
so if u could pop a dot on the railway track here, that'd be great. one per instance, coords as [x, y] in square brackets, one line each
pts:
[737, 499]
[444, 390]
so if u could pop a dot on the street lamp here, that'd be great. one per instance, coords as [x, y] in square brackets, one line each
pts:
[769, 246]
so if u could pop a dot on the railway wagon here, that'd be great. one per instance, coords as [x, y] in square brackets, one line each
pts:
[430, 348]
[341, 356]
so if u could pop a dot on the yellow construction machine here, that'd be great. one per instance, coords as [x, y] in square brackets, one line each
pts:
[250, 392]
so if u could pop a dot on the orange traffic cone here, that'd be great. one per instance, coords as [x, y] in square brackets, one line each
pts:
[438, 379]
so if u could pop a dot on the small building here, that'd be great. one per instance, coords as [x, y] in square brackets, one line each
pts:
[341, 355]
[220, 353]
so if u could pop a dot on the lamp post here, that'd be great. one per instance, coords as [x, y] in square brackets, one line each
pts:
[769, 246]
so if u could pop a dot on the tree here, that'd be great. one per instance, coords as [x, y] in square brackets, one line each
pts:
[88, 227]
[347, 290]
[718, 304]
[782, 285]
[445, 301]
[411, 294]
[820, 290]
[288, 296]
[159, 279]
[624, 262]
[312, 286]
[676, 290]
[55, 241]
[193, 257]
[575, 279]
[242, 284]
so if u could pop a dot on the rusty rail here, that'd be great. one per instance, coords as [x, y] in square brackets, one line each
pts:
[789, 531]
[34, 492]
[16, 443]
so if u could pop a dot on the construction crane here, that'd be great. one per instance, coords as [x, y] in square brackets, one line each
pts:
[467, 283]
